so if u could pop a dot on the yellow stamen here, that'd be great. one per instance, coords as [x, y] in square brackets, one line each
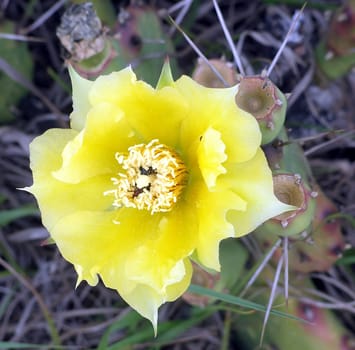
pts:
[154, 178]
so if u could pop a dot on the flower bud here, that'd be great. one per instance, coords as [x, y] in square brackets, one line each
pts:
[290, 189]
[204, 75]
[318, 251]
[262, 99]
[84, 39]
[136, 39]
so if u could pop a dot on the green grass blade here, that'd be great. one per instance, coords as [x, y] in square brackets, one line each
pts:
[129, 320]
[6, 216]
[239, 301]
[167, 331]
[16, 346]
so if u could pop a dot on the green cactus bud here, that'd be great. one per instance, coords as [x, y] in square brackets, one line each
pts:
[261, 98]
[285, 156]
[291, 189]
[335, 54]
[317, 252]
[204, 75]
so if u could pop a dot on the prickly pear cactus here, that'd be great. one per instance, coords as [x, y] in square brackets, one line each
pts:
[261, 98]
[316, 249]
[141, 42]
[323, 330]
[204, 75]
[17, 55]
[336, 54]
[136, 39]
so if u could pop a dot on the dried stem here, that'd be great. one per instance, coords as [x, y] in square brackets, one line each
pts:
[272, 297]
[284, 43]
[200, 54]
[285, 254]
[39, 21]
[229, 39]
[262, 265]
[46, 313]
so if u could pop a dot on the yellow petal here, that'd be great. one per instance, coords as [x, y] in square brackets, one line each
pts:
[81, 104]
[92, 151]
[217, 108]
[240, 134]
[213, 226]
[90, 276]
[57, 199]
[174, 291]
[146, 271]
[211, 155]
[146, 300]
[156, 114]
[145, 267]
[87, 239]
[252, 181]
[155, 263]
[114, 87]
[45, 152]
[114, 245]
[98, 243]
[153, 114]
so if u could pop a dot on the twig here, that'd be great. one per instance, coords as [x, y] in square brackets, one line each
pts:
[42, 19]
[320, 135]
[177, 6]
[284, 43]
[272, 297]
[19, 78]
[285, 254]
[46, 313]
[200, 54]
[327, 143]
[261, 266]
[350, 307]
[229, 39]
[335, 283]
[18, 37]
[186, 4]
[302, 84]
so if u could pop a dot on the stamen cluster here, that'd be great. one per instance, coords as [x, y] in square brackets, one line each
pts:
[153, 179]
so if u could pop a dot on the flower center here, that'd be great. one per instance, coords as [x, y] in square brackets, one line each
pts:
[154, 178]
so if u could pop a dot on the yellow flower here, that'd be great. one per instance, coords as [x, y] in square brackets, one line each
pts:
[146, 177]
